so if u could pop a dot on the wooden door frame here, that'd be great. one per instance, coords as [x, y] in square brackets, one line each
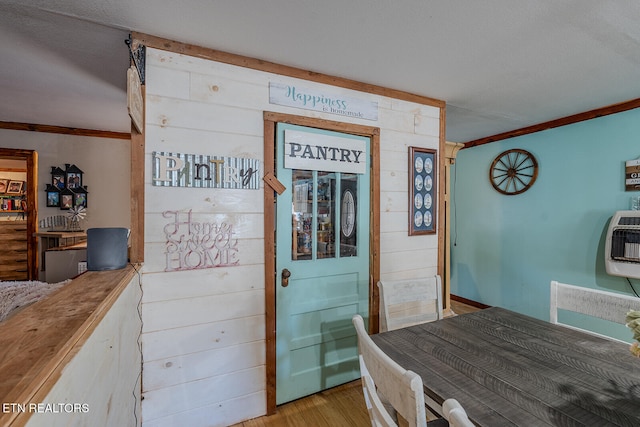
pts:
[270, 121]
[31, 158]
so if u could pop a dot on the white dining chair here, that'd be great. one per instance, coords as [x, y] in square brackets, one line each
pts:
[389, 389]
[379, 413]
[455, 414]
[409, 302]
[592, 302]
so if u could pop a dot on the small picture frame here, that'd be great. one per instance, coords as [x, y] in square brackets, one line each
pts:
[53, 196]
[53, 200]
[73, 177]
[4, 185]
[80, 197]
[66, 199]
[57, 177]
[15, 187]
[73, 180]
[423, 205]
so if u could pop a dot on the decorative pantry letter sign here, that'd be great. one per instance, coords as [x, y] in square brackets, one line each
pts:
[314, 151]
[317, 100]
[204, 171]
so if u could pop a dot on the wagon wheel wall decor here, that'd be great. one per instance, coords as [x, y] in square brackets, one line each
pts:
[513, 172]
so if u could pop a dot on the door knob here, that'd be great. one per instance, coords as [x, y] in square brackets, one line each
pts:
[285, 277]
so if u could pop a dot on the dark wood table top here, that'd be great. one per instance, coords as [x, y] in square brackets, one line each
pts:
[508, 369]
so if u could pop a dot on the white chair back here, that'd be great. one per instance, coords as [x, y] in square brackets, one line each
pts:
[455, 414]
[592, 302]
[381, 376]
[409, 302]
[378, 413]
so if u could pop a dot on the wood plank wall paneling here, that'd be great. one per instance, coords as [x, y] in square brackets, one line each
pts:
[278, 69]
[217, 108]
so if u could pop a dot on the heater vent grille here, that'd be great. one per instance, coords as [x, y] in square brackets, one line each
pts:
[629, 220]
[625, 245]
[622, 246]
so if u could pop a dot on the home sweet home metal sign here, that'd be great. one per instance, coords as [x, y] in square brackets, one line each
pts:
[204, 171]
[193, 245]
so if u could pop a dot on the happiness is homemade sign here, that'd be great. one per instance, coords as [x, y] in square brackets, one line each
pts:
[317, 100]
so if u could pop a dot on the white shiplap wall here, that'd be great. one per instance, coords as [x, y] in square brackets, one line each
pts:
[204, 339]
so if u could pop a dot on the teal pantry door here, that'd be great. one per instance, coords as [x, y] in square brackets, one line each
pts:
[322, 257]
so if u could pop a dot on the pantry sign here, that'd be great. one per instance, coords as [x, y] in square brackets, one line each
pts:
[204, 171]
[311, 151]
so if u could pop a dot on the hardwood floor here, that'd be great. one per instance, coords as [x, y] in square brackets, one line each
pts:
[340, 406]
[462, 308]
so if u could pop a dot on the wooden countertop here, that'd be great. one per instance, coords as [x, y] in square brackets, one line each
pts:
[81, 245]
[38, 341]
[62, 234]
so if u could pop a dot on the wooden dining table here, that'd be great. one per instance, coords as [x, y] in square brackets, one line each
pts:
[509, 369]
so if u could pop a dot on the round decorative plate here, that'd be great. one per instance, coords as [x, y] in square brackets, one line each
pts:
[428, 218]
[417, 201]
[427, 201]
[428, 165]
[513, 172]
[428, 183]
[417, 219]
[419, 164]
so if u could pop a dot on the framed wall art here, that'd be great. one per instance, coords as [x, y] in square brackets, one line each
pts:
[57, 177]
[422, 191]
[66, 199]
[80, 197]
[53, 196]
[66, 190]
[15, 187]
[73, 177]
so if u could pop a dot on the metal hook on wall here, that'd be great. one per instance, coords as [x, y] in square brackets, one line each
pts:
[138, 57]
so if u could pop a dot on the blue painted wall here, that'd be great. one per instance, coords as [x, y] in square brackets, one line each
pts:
[506, 249]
